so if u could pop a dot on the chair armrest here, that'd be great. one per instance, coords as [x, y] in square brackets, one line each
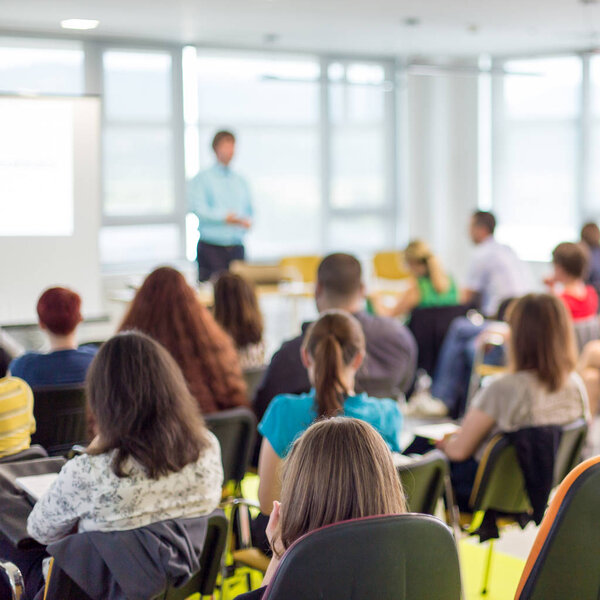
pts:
[14, 579]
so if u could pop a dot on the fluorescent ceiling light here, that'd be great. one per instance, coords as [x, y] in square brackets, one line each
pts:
[79, 24]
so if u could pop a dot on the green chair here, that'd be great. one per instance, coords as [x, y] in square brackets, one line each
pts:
[423, 481]
[563, 562]
[500, 485]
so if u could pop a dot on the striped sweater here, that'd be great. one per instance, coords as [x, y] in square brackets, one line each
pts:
[16, 415]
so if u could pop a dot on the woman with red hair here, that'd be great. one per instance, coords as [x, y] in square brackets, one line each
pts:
[59, 314]
[168, 310]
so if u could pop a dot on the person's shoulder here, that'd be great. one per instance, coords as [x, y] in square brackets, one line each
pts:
[295, 401]
[379, 325]
[12, 386]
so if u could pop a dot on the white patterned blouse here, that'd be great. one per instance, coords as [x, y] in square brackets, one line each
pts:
[88, 496]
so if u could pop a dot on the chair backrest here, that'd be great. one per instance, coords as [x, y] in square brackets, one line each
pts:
[568, 455]
[60, 417]
[429, 326]
[389, 264]
[30, 453]
[563, 562]
[378, 387]
[301, 268]
[394, 557]
[423, 481]
[499, 483]
[205, 579]
[235, 429]
[61, 586]
[253, 378]
[586, 330]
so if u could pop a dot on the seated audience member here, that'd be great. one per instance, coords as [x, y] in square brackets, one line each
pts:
[494, 275]
[9, 349]
[495, 272]
[590, 239]
[16, 416]
[332, 352]
[428, 286]
[540, 389]
[567, 281]
[339, 469]
[168, 310]
[589, 369]
[237, 312]
[59, 313]
[391, 350]
[152, 458]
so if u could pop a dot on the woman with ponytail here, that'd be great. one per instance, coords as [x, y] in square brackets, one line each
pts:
[429, 285]
[332, 352]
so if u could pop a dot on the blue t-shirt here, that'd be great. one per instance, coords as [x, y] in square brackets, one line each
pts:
[56, 368]
[289, 415]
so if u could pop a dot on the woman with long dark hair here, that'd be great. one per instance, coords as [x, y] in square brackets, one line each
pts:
[168, 310]
[238, 313]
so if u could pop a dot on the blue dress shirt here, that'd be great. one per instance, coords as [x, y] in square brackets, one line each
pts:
[212, 195]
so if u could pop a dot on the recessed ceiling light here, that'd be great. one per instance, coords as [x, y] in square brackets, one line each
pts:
[79, 24]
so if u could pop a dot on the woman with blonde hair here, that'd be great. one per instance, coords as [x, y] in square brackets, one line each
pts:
[540, 389]
[332, 351]
[339, 469]
[429, 285]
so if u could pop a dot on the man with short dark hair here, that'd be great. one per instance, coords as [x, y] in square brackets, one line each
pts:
[221, 200]
[391, 348]
[495, 272]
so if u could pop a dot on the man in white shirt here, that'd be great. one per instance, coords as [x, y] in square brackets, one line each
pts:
[495, 272]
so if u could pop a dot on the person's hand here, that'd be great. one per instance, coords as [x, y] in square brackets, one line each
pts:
[233, 219]
[441, 444]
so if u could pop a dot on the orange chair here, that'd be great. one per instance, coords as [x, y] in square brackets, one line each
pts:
[563, 562]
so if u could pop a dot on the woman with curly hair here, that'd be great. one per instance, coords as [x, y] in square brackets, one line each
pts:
[168, 310]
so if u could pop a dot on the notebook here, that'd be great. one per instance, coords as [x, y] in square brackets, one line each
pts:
[436, 431]
[35, 486]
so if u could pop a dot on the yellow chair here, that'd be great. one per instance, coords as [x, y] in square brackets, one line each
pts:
[301, 268]
[389, 265]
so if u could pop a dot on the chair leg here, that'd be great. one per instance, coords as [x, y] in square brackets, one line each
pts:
[487, 568]
[455, 524]
[14, 579]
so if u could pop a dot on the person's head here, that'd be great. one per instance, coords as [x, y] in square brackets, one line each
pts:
[223, 145]
[569, 261]
[332, 351]
[167, 309]
[339, 283]
[590, 235]
[417, 256]
[142, 407]
[542, 338]
[59, 311]
[237, 310]
[482, 226]
[339, 469]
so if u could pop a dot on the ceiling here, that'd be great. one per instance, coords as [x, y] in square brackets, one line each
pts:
[362, 27]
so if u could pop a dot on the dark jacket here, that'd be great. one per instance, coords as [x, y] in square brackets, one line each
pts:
[135, 564]
[391, 353]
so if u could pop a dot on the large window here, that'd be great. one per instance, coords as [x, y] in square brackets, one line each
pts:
[272, 105]
[319, 171]
[536, 151]
[41, 66]
[139, 158]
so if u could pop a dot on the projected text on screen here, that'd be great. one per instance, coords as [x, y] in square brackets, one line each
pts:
[36, 167]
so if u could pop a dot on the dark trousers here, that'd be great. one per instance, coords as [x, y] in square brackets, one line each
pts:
[29, 563]
[213, 259]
